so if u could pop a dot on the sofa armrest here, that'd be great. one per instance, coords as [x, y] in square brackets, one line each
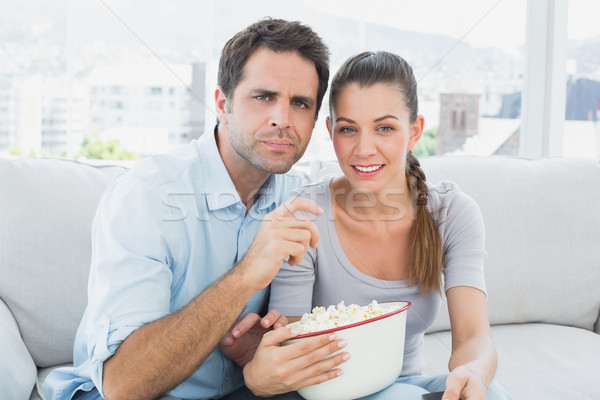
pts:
[17, 369]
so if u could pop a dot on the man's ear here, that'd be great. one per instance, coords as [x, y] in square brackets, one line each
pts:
[416, 130]
[329, 127]
[221, 105]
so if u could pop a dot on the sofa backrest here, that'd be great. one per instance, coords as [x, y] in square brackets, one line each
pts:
[46, 211]
[542, 221]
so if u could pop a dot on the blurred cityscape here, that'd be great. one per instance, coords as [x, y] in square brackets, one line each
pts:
[76, 70]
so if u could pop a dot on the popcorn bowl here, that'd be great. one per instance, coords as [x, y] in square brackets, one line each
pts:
[376, 348]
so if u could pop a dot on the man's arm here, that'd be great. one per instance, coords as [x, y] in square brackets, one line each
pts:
[158, 356]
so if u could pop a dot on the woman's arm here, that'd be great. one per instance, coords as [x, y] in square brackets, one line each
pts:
[473, 361]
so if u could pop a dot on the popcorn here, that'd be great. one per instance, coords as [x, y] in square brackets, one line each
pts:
[335, 316]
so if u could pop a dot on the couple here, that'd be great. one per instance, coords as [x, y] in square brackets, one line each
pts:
[187, 245]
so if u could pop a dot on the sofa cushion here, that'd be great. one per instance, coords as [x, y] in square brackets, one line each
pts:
[541, 220]
[17, 370]
[542, 235]
[552, 361]
[46, 210]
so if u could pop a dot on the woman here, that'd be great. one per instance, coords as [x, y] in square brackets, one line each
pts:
[386, 235]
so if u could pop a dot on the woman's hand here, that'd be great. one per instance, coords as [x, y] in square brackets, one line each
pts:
[473, 360]
[279, 369]
[463, 383]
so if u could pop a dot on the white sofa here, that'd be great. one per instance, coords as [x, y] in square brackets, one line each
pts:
[543, 270]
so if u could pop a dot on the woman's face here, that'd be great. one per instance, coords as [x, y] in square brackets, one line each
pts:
[371, 132]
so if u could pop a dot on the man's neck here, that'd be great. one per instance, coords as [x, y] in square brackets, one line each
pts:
[246, 178]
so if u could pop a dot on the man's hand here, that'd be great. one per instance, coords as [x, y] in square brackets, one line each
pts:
[279, 369]
[284, 234]
[243, 338]
[462, 383]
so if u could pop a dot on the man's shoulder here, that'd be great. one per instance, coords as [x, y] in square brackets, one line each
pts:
[169, 167]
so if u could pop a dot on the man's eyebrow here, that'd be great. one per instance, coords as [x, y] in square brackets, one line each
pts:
[271, 93]
[263, 92]
[304, 99]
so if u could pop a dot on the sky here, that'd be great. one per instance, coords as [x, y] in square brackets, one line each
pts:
[484, 22]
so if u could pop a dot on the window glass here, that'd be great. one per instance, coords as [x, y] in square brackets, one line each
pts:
[144, 73]
[582, 129]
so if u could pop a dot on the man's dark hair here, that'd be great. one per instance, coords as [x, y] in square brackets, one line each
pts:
[279, 36]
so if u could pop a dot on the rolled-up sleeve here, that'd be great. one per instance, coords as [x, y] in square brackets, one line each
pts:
[130, 276]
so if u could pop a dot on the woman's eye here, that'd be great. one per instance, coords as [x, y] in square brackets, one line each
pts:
[347, 129]
[385, 128]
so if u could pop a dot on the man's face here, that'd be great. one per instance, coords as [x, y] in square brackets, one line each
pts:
[271, 114]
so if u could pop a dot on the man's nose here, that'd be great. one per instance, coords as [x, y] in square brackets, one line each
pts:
[280, 116]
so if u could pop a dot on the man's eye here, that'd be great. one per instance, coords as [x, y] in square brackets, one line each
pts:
[300, 104]
[262, 97]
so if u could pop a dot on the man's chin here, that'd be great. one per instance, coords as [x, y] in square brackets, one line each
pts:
[280, 167]
[275, 163]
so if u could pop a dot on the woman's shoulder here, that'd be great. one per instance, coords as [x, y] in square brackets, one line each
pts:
[319, 188]
[447, 195]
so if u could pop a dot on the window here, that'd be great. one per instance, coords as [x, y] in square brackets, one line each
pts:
[479, 65]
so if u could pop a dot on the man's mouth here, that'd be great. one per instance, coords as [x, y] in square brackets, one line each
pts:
[279, 145]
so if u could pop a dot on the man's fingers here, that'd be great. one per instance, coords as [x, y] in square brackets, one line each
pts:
[227, 340]
[296, 204]
[282, 321]
[244, 325]
[268, 320]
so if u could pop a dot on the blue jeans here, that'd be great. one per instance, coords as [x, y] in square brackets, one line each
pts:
[241, 394]
[414, 387]
[244, 393]
[95, 395]
[405, 388]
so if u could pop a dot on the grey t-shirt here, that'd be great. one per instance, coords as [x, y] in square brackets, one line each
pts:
[325, 276]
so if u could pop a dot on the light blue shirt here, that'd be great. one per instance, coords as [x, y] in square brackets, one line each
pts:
[164, 231]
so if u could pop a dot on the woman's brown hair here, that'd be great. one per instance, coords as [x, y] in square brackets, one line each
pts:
[367, 69]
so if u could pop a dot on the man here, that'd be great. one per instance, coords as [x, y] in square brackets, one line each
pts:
[185, 243]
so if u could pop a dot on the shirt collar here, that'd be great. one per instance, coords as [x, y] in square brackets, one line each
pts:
[216, 184]
[268, 196]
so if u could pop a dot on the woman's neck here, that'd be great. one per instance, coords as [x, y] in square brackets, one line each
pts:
[392, 203]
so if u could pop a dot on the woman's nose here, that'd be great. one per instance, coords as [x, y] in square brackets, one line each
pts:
[365, 145]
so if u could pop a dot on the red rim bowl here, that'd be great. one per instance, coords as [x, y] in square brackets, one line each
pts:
[339, 328]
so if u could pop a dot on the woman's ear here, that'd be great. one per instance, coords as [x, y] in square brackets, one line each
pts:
[221, 105]
[416, 130]
[329, 127]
